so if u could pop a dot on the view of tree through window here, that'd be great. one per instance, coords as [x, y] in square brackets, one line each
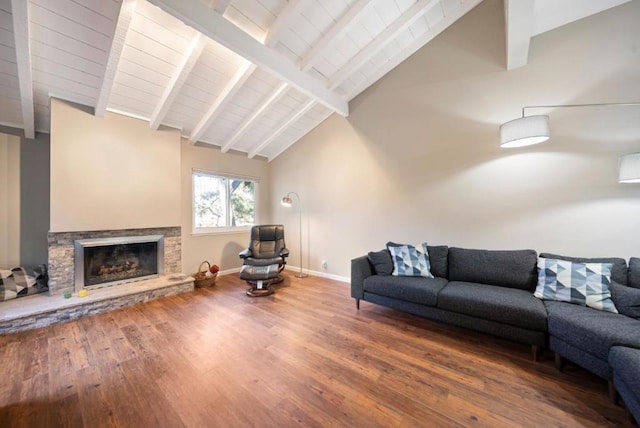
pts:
[220, 201]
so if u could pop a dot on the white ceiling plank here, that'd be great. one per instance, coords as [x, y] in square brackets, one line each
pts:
[225, 96]
[389, 34]
[338, 30]
[243, 75]
[519, 19]
[221, 6]
[20, 16]
[177, 80]
[291, 10]
[284, 147]
[255, 114]
[256, 150]
[419, 42]
[117, 44]
[211, 24]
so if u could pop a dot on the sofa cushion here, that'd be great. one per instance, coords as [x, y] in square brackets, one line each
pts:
[501, 304]
[626, 299]
[585, 284]
[438, 258]
[618, 270]
[593, 331]
[512, 269]
[410, 261]
[626, 360]
[634, 272]
[411, 289]
[381, 262]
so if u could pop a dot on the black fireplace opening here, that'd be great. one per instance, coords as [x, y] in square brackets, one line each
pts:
[119, 262]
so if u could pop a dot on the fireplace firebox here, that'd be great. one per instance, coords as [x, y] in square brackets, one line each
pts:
[108, 261]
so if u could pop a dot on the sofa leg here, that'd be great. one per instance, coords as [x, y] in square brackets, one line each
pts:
[535, 352]
[613, 394]
[358, 304]
[559, 361]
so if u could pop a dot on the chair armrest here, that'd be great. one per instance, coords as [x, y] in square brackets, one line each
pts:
[245, 253]
[360, 269]
[284, 252]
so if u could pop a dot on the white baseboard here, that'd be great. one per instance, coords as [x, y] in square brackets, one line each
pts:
[229, 271]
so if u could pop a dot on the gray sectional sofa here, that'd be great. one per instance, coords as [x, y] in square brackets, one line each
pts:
[492, 292]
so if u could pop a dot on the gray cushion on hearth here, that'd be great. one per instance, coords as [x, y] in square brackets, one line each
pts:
[618, 270]
[506, 305]
[591, 330]
[512, 269]
[411, 289]
[438, 255]
[634, 272]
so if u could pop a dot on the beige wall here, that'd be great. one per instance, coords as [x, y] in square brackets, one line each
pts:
[418, 158]
[112, 172]
[221, 249]
[9, 201]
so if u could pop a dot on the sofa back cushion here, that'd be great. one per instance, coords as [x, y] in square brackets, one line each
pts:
[618, 270]
[634, 272]
[438, 257]
[512, 268]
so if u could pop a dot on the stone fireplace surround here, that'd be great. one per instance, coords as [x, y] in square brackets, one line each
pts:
[41, 309]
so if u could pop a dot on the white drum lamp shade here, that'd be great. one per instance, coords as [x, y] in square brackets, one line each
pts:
[524, 131]
[629, 168]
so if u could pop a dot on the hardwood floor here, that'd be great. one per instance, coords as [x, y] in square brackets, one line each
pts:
[301, 357]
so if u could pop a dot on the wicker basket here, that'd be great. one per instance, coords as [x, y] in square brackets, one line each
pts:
[201, 278]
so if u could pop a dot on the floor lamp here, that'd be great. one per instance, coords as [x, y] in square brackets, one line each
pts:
[288, 202]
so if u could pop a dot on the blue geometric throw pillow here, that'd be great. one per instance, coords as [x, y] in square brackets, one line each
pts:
[585, 284]
[409, 261]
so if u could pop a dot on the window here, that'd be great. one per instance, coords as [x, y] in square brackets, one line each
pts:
[222, 202]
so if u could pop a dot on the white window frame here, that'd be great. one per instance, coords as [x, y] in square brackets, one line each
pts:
[222, 229]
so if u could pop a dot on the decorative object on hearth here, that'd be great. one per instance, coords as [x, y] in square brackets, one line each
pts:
[205, 277]
[288, 202]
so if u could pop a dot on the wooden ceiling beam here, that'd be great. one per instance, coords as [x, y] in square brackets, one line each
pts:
[127, 9]
[519, 21]
[180, 76]
[22, 40]
[204, 19]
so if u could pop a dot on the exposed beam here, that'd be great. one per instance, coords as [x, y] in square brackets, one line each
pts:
[283, 148]
[233, 86]
[117, 44]
[415, 45]
[339, 29]
[291, 10]
[519, 20]
[243, 74]
[20, 17]
[221, 6]
[271, 99]
[180, 75]
[213, 25]
[308, 106]
[403, 22]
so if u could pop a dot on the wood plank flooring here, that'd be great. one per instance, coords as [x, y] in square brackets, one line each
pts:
[301, 357]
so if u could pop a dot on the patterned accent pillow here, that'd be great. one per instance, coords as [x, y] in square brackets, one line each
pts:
[585, 284]
[409, 261]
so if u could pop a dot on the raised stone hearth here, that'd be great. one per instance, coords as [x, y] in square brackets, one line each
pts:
[41, 310]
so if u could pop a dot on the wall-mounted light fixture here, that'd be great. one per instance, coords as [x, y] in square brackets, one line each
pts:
[528, 130]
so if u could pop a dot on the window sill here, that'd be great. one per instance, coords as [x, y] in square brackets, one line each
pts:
[221, 231]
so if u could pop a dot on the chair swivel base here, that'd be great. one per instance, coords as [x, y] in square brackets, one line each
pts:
[260, 278]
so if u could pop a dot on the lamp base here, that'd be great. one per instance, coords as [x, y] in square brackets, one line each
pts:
[301, 275]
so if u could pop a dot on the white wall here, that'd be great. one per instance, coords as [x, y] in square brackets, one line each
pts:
[112, 172]
[221, 249]
[418, 158]
[9, 201]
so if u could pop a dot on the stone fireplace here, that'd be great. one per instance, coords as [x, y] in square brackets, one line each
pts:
[94, 259]
[101, 262]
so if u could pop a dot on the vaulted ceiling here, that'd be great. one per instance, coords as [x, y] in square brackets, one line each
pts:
[247, 75]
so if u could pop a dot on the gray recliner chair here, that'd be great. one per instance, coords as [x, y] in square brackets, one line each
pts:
[264, 259]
